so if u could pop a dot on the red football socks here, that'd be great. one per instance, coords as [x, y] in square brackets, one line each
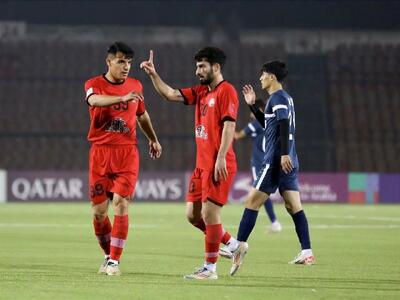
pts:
[118, 236]
[201, 225]
[102, 231]
[212, 241]
[226, 236]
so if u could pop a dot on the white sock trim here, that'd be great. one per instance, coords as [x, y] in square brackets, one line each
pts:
[210, 266]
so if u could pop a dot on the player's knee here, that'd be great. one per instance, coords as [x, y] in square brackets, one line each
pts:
[120, 206]
[192, 219]
[208, 219]
[253, 203]
[288, 207]
[211, 217]
[100, 216]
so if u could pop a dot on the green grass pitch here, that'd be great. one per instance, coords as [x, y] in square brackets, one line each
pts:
[48, 251]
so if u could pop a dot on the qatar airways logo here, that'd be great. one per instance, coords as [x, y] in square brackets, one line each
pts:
[201, 132]
[47, 188]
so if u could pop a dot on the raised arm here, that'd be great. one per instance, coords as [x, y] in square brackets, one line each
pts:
[147, 128]
[250, 98]
[166, 91]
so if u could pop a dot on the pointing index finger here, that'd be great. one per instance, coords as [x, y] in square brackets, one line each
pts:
[151, 56]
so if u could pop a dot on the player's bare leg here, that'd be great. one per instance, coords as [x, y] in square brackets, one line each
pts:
[212, 217]
[119, 233]
[294, 208]
[194, 216]
[102, 228]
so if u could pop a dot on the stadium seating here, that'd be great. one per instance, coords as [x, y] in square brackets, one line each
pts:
[45, 120]
[364, 103]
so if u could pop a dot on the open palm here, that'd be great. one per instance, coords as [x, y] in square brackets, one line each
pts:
[249, 94]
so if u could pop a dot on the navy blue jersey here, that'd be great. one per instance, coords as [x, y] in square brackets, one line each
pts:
[256, 132]
[280, 106]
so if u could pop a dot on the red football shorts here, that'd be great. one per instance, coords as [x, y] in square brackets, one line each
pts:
[202, 186]
[112, 169]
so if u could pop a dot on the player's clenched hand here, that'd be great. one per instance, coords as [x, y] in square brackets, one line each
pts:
[286, 164]
[249, 94]
[155, 149]
[220, 170]
[148, 65]
[132, 96]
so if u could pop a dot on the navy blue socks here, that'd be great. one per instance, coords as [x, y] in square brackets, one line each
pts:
[301, 224]
[247, 223]
[270, 210]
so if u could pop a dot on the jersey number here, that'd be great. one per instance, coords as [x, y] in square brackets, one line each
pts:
[203, 109]
[292, 118]
[121, 106]
[96, 190]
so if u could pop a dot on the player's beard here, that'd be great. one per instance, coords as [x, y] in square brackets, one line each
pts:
[206, 80]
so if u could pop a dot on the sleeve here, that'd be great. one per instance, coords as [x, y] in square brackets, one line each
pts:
[91, 89]
[280, 107]
[250, 129]
[189, 95]
[284, 135]
[229, 103]
[259, 128]
[258, 115]
[141, 108]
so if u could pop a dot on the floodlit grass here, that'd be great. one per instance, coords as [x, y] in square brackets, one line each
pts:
[48, 251]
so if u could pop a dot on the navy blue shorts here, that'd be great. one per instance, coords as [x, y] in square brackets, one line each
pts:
[270, 179]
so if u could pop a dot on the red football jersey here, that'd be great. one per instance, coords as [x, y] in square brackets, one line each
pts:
[212, 109]
[115, 124]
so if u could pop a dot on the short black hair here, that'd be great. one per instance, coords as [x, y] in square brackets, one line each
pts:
[276, 67]
[213, 55]
[121, 47]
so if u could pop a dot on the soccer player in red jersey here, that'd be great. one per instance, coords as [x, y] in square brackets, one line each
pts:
[115, 104]
[216, 104]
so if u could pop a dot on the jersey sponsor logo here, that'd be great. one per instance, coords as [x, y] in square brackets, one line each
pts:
[211, 103]
[118, 125]
[201, 132]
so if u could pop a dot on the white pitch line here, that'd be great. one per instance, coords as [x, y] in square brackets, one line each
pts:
[54, 225]
[153, 226]
[351, 217]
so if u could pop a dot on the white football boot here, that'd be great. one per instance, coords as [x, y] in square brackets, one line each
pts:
[103, 266]
[202, 274]
[238, 257]
[275, 227]
[112, 268]
[305, 257]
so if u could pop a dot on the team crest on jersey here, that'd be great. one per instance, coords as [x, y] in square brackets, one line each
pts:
[201, 132]
[118, 125]
[211, 103]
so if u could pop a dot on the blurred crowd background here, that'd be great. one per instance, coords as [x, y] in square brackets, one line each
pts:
[343, 59]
